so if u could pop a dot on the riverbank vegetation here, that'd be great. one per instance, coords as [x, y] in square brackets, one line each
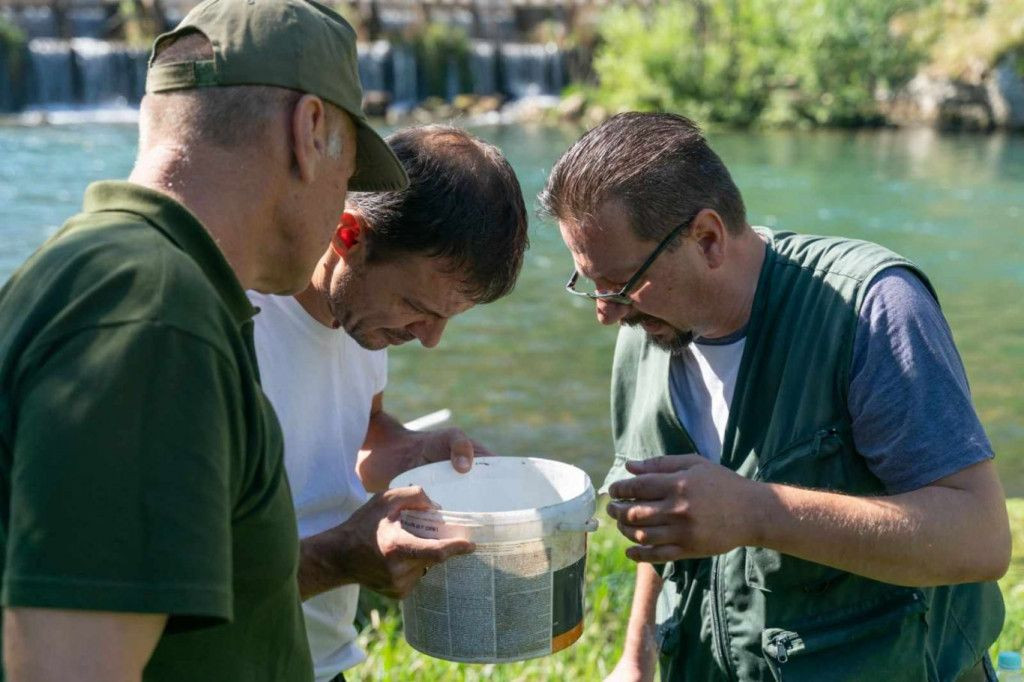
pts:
[794, 62]
[963, 37]
[12, 45]
[608, 598]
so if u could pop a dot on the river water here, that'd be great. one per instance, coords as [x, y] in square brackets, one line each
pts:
[529, 375]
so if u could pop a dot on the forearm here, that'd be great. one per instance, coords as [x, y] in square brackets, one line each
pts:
[322, 562]
[640, 640]
[384, 431]
[935, 535]
[387, 445]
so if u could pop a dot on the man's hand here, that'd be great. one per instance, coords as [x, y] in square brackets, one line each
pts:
[391, 449]
[631, 669]
[371, 548]
[683, 506]
[441, 445]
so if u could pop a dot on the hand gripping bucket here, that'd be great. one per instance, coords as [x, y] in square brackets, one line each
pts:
[520, 594]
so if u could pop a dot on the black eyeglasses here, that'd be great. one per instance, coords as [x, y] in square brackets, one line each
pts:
[622, 295]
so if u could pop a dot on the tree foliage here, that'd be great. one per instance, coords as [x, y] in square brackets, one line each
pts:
[964, 38]
[12, 47]
[745, 61]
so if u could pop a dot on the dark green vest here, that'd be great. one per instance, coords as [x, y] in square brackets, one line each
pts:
[753, 613]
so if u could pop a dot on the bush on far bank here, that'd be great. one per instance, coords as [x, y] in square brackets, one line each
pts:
[791, 62]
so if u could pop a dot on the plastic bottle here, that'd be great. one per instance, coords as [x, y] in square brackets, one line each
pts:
[1009, 667]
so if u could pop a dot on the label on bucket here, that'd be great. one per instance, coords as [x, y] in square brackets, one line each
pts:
[567, 604]
[504, 602]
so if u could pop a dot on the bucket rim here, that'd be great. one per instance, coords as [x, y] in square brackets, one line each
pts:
[486, 518]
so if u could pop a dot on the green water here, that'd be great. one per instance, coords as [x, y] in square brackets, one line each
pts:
[529, 375]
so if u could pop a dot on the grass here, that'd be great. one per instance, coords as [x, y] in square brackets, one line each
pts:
[1012, 584]
[609, 594]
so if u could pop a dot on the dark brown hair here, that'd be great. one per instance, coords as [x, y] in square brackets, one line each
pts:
[658, 167]
[463, 206]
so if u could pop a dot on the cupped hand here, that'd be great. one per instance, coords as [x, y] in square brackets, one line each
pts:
[684, 506]
[383, 556]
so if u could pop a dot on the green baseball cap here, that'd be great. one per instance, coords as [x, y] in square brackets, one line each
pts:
[296, 44]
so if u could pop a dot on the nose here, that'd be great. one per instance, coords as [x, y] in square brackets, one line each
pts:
[429, 331]
[610, 313]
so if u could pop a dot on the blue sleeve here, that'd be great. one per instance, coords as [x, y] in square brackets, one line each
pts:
[913, 420]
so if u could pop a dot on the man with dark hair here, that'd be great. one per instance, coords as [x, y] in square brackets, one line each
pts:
[796, 453]
[399, 267]
[148, 531]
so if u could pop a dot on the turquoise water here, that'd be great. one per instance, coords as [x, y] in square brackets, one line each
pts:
[529, 374]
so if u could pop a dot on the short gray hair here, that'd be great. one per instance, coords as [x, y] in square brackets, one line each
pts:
[657, 167]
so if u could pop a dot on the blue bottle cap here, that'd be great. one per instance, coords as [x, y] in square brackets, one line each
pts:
[1009, 660]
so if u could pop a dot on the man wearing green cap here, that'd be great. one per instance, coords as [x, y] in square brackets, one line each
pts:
[147, 527]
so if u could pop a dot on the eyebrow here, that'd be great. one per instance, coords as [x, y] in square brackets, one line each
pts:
[609, 278]
[423, 308]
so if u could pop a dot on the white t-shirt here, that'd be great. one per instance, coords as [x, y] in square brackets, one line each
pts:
[705, 375]
[321, 384]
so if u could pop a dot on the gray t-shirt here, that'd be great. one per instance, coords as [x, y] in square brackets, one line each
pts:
[910, 405]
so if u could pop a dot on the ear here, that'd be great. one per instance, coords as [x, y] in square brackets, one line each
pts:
[710, 234]
[309, 136]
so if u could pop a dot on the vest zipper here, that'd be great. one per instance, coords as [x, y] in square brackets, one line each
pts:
[717, 607]
[781, 648]
[781, 655]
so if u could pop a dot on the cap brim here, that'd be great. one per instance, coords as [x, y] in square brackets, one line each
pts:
[377, 167]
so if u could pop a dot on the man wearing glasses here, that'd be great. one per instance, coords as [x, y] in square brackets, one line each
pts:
[796, 453]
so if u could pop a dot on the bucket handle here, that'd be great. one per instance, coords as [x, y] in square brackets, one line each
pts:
[588, 526]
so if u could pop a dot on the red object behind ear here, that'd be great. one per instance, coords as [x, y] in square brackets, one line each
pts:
[348, 236]
[348, 232]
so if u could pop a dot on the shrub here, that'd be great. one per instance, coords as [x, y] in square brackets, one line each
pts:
[743, 61]
[964, 38]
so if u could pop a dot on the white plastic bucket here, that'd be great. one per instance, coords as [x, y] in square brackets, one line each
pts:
[520, 594]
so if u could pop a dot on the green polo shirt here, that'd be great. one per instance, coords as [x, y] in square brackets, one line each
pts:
[141, 465]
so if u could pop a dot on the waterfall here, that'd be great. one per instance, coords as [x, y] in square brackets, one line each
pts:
[405, 87]
[84, 71]
[51, 72]
[94, 73]
[483, 65]
[530, 69]
[109, 72]
[452, 85]
[374, 65]
[7, 97]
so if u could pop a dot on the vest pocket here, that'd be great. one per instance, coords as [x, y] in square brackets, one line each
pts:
[813, 462]
[809, 461]
[882, 640]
